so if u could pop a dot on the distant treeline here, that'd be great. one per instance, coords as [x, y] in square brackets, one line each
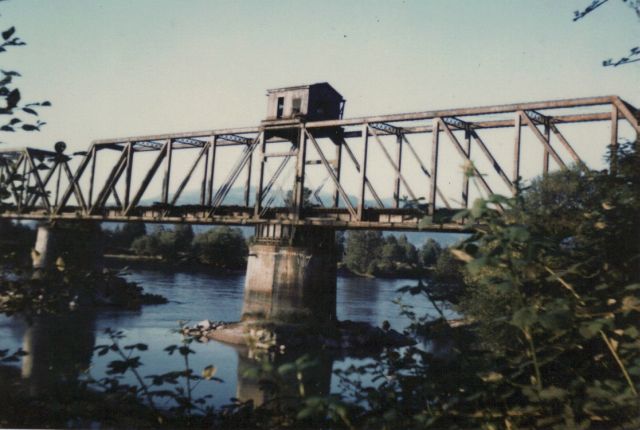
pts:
[368, 253]
[222, 247]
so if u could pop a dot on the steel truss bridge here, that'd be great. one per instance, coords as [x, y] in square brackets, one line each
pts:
[50, 185]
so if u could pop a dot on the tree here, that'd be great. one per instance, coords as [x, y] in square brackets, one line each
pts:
[429, 252]
[306, 198]
[14, 115]
[362, 250]
[222, 247]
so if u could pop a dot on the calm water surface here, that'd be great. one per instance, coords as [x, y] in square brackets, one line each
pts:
[65, 347]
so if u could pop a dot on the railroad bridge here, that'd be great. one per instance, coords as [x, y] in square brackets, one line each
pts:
[408, 171]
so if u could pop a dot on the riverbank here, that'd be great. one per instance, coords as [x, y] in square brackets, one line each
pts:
[190, 265]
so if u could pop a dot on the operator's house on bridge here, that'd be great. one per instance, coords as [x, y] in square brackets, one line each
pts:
[369, 164]
[314, 102]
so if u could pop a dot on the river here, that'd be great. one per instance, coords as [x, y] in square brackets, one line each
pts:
[67, 347]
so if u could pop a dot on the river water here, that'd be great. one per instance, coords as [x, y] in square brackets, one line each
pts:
[58, 347]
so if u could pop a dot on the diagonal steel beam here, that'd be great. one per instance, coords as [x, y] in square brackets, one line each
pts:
[372, 190]
[76, 187]
[147, 179]
[12, 169]
[233, 174]
[111, 181]
[396, 168]
[461, 151]
[542, 139]
[496, 166]
[627, 114]
[184, 182]
[332, 175]
[76, 178]
[568, 147]
[43, 194]
[424, 169]
[47, 178]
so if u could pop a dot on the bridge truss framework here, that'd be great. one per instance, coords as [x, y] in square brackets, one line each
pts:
[33, 176]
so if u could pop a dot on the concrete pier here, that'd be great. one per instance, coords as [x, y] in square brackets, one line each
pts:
[291, 275]
[79, 245]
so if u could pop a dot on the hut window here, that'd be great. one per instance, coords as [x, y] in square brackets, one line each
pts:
[296, 105]
[280, 107]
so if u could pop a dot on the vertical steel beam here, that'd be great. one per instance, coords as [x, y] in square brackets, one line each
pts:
[247, 185]
[257, 209]
[516, 148]
[434, 165]
[396, 188]
[127, 185]
[212, 172]
[298, 194]
[167, 173]
[545, 157]
[92, 174]
[465, 173]
[363, 171]
[203, 185]
[337, 164]
[613, 143]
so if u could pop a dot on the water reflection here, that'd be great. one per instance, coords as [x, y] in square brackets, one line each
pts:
[59, 350]
[313, 380]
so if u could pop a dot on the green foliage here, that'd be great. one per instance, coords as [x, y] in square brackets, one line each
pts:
[15, 114]
[430, 252]
[369, 252]
[64, 290]
[123, 236]
[222, 247]
[168, 244]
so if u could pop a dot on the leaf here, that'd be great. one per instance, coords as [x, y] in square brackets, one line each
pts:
[524, 317]
[8, 33]
[13, 98]
[209, 372]
[286, 368]
[552, 392]
[29, 110]
[461, 255]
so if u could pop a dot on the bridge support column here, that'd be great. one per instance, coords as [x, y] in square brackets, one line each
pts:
[78, 245]
[291, 275]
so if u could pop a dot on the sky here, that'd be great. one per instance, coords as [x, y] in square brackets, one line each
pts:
[114, 68]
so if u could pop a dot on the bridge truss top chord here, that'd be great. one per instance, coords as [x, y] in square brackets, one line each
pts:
[42, 185]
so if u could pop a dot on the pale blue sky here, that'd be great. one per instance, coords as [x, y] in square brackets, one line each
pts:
[129, 67]
[121, 67]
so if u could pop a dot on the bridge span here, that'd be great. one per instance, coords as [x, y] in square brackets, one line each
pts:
[430, 163]
[141, 179]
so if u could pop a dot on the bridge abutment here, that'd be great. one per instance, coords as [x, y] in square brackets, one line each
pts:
[291, 275]
[79, 245]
